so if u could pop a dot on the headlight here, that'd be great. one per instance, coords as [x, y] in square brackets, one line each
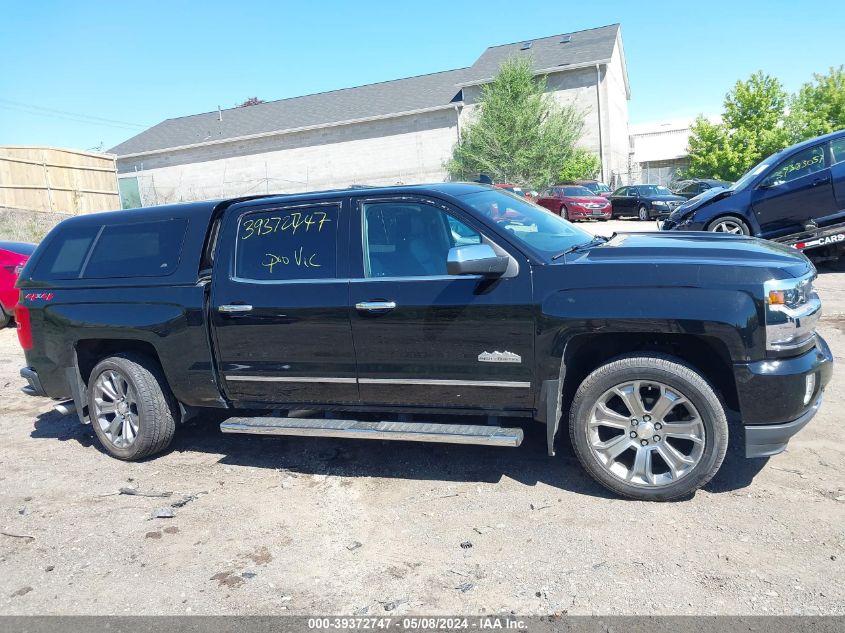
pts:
[792, 311]
[660, 203]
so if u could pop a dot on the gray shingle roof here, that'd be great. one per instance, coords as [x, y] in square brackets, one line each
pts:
[373, 100]
[584, 47]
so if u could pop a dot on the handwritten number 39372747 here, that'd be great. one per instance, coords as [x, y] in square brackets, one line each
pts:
[292, 222]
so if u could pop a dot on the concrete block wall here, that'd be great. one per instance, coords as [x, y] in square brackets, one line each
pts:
[400, 150]
[409, 149]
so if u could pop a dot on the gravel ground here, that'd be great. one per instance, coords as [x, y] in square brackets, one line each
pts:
[299, 525]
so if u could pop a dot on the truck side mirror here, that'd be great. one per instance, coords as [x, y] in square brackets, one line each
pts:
[476, 259]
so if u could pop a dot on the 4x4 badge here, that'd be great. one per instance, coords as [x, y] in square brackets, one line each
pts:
[499, 357]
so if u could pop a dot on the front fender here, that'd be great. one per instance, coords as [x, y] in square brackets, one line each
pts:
[728, 315]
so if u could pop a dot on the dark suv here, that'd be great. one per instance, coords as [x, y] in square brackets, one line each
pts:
[798, 188]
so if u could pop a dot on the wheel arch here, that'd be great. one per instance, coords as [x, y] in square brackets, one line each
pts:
[706, 354]
[89, 352]
[584, 353]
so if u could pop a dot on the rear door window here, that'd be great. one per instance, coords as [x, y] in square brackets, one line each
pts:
[144, 249]
[288, 244]
[837, 147]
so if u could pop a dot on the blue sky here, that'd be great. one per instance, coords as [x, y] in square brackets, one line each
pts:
[128, 65]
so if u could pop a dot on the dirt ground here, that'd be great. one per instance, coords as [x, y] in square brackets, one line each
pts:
[299, 525]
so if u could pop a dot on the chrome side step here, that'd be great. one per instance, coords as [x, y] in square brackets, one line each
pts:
[405, 431]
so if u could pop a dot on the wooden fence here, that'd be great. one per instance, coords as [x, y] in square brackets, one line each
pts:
[57, 180]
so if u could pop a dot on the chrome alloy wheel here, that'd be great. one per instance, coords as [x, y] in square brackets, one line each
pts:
[727, 226]
[646, 433]
[116, 408]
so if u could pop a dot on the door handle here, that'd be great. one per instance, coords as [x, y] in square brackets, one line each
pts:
[819, 181]
[375, 306]
[234, 308]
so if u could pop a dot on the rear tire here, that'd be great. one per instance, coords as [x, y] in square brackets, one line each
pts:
[729, 224]
[669, 448]
[131, 407]
[5, 319]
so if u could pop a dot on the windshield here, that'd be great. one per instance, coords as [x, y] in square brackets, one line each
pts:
[654, 190]
[539, 229]
[577, 191]
[752, 173]
[596, 187]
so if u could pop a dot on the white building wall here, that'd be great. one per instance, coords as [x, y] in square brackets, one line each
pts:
[615, 103]
[578, 88]
[409, 149]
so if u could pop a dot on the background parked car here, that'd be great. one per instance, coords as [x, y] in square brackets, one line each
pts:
[13, 256]
[511, 187]
[691, 188]
[596, 187]
[575, 203]
[644, 201]
[794, 190]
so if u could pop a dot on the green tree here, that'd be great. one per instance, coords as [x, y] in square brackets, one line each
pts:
[752, 127]
[581, 164]
[819, 106]
[518, 133]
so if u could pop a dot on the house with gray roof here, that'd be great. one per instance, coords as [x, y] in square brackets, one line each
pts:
[399, 131]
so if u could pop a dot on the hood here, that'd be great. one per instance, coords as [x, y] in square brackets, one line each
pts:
[714, 257]
[586, 199]
[666, 198]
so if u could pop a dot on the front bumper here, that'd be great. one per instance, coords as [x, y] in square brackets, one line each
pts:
[586, 214]
[34, 387]
[771, 439]
[772, 397]
[670, 224]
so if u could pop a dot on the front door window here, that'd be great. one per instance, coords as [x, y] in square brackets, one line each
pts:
[801, 164]
[410, 239]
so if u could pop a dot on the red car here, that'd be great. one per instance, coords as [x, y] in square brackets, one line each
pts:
[573, 202]
[13, 256]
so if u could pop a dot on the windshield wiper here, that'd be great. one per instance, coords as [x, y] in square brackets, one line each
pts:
[598, 239]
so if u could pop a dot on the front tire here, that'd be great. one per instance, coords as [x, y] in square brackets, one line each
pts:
[5, 319]
[564, 213]
[131, 407]
[648, 428]
[643, 213]
[729, 224]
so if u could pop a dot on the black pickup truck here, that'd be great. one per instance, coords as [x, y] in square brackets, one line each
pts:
[408, 306]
